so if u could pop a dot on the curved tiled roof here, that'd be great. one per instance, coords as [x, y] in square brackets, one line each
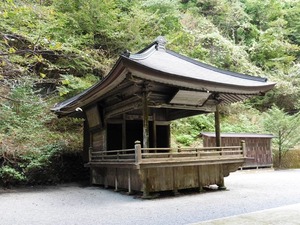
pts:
[157, 64]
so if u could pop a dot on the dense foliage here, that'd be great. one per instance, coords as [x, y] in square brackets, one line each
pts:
[53, 49]
[285, 128]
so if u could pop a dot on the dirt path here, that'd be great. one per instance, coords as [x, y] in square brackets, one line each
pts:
[249, 191]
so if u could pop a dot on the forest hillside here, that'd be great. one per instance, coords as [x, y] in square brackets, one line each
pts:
[51, 50]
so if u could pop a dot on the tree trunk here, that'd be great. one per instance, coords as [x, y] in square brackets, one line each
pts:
[279, 158]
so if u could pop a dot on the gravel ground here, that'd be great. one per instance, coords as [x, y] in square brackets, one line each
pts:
[248, 191]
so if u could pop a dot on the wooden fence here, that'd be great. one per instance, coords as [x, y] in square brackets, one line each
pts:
[140, 155]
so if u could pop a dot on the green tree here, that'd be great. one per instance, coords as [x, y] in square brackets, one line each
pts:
[285, 95]
[292, 16]
[285, 128]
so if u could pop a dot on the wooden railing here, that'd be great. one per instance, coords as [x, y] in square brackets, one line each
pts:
[140, 155]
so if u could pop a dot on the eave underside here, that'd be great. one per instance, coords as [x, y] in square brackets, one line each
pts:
[127, 98]
[178, 97]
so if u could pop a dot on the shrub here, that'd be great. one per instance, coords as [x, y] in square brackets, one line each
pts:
[32, 143]
[185, 139]
[290, 159]
[10, 176]
[43, 165]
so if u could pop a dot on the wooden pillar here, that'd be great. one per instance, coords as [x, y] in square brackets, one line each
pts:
[217, 126]
[175, 188]
[90, 154]
[200, 174]
[124, 141]
[145, 119]
[145, 183]
[154, 131]
[129, 182]
[106, 179]
[86, 142]
[116, 179]
[105, 137]
[221, 185]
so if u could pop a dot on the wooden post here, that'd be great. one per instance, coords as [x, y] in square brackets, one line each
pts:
[105, 136]
[124, 144]
[154, 131]
[217, 126]
[90, 154]
[175, 188]
[145, 119]
[199, 168]
[116, 180]
[198, 153]
[221, 184]
[129, 182]
[105, 181]
[86, 142]
[145, 183]
[243, 145]
[138, 152]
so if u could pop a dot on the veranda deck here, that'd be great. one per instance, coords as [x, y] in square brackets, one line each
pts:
[160, 169]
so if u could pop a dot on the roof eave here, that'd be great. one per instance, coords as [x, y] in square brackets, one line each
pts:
[93, 93]
[148, 73]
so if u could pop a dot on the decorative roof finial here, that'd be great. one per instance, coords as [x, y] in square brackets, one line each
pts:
[126, 53]
[161, 42]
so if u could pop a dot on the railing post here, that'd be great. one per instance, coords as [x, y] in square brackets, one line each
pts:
[243, 145]
[221, 151]
[138, 152]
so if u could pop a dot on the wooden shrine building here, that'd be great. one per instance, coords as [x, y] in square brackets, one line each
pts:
[258, 147]
[128, 114]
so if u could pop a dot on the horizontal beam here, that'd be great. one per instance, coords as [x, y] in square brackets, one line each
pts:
[209, 108]
[145, 165]
[123, 107]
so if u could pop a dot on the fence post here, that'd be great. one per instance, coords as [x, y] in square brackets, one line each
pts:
[138, 152]
[243, 145]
